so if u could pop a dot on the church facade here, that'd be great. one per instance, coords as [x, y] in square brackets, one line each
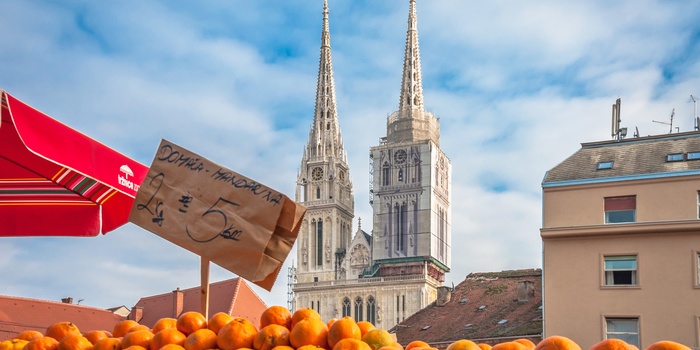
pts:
[388, 275]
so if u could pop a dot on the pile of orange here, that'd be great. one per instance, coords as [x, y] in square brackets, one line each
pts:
[279, 329]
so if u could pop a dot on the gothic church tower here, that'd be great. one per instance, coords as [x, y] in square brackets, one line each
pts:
[324, 187]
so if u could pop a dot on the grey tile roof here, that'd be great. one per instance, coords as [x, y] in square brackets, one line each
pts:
[630, 157]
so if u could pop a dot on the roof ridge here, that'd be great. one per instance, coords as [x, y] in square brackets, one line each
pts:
[9, 297]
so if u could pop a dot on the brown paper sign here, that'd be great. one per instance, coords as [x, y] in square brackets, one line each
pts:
[235, 222]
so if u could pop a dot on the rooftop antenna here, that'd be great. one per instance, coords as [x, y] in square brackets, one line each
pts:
[636, 132]
[695, 112]
[670, 130]
[617, 132]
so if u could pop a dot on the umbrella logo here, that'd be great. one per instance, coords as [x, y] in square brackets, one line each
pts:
[124, 180]
[126, 170]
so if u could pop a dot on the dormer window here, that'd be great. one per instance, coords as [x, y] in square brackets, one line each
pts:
[693, 156]
[674, 157]
[605, 165]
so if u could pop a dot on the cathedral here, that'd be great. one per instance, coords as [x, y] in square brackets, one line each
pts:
[389, 274]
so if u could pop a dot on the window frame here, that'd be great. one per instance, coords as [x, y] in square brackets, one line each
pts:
[618, 208]
[606, 334]
[696, 268]
[635, 277]
[605, 165]
[674, 157]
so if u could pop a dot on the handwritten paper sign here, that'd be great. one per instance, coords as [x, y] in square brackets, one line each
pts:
[235, 222]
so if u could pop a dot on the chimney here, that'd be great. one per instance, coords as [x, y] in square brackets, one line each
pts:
[68, 300]
[444, 294]
[526, 290]
[178, 302]
[135, 314]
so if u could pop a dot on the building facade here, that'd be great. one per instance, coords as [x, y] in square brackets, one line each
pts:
[621, 242]
[394, 272]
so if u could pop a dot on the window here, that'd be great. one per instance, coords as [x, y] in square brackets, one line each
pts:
[698, 204]
[319, 243]
[626, 329]
[358, 309]
[697, 269]
[674, 157]
[371, 310]
[346, 307]
[620, 209]
[621, 270]
[693, 155]
[605, 165]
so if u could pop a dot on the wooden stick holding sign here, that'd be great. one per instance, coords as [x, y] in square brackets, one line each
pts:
[226, 218]
[204, 285]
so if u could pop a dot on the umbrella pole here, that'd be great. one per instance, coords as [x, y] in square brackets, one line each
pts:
[204, 291]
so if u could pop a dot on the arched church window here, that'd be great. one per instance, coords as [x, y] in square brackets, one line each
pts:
[319, 243]
[385, 174]
[400, 175]
[358, 309]
[346, 307]
[371, 310]
[318, 192]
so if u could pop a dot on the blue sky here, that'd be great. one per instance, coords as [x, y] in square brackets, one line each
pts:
[518, 85]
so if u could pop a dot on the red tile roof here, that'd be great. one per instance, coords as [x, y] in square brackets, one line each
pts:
[233, 296]
[20, 314]
[476, 307]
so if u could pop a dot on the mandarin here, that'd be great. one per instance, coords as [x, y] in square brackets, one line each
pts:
[557, 342]
[108, 344]
[140, 338]
[378, 338]
[29, 335]
[13, 344]
[167, 336]
[271, 336]
[122, 327]
[201, 339]
[190, 321]
[667, 345]
[135, 347]
[74, 342]
[613, 344]
[164, 323]
[527, 342]
[276, 314]
[172, 347]
[303, 314]
[43, 343]
[365, 326]
[417, 344]
[218, 321]
[95, 336]
[509, 345]
[342, 329]
[139, 327]
[309, 331]
[59, 330]
[309, 347]
[463, 344]
[287, 347]
[351, 344]
[239, 333]
[484, 346]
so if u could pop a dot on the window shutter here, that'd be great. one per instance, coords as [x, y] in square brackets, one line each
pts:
[620, 203]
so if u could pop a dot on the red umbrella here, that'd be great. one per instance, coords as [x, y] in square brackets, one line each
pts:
[56, 181]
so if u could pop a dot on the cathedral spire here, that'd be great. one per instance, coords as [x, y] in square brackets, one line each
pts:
[411, 86]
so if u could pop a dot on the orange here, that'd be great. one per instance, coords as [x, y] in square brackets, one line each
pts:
[94, 336]
[509, 345]
[74, 341]
[141, 338]
[557, 342]
[309, 347]
[29, 335]
[287, 347]
[167, 336]
[330, 322]
[271, 336]
[108, 344]
[484, 346]
[172, 347]
[201, 339]
[191, 321]
[219, 320]
[43, 343]
[667, 345]
[342, 329]
[365, 326]
[392, 347]
[463, 344]
[59, 330]
[276, 315]
[351, 344]
[13, 344]
[163, 323]
[122, 327]
[527, 342]
[303, 314]
[309, 331]
[378, 338]
[135, 347]
[416, 344]
[139, 327]
[613, 344]
[239, 333]
[398, 346]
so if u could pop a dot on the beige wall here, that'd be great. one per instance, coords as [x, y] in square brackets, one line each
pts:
[666, 240]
